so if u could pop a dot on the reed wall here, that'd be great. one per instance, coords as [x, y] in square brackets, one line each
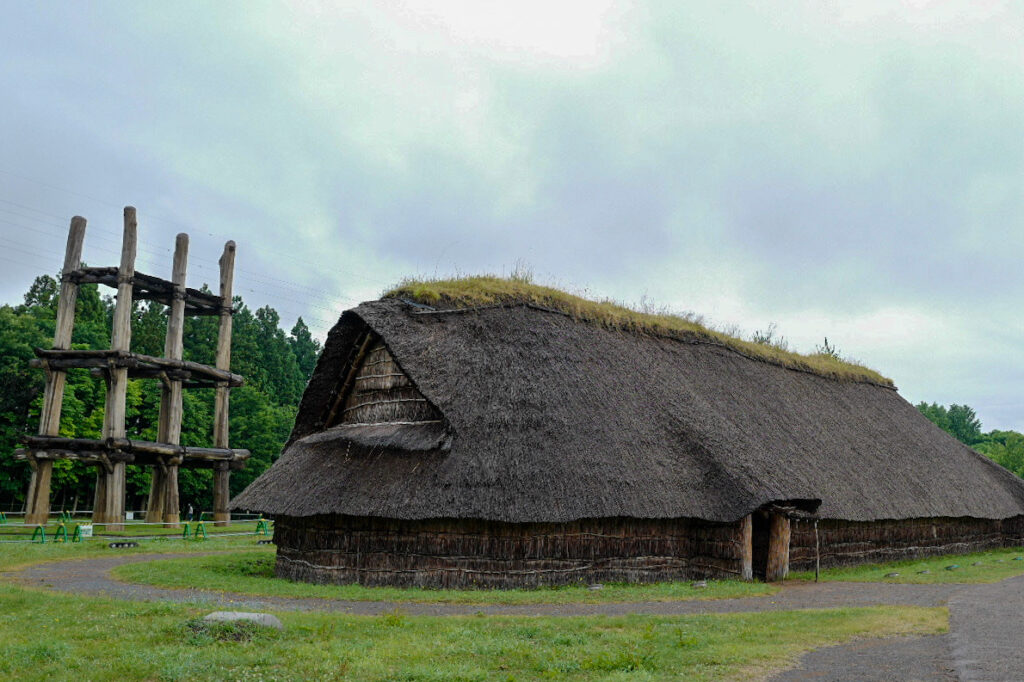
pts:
[382, 393]
[855, 542]
[488, 554]
[468, 553]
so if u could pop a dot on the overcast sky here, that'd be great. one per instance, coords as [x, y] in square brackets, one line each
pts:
[851, 170]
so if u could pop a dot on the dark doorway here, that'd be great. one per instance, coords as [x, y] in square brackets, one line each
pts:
[760, 532]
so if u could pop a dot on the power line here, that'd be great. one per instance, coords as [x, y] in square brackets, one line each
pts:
[212, 268]
[311, 318]
[276, 285]
[155, 217]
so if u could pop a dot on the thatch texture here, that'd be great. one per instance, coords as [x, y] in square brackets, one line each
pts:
[548, 419]
[442, 554]
[472, 292]
[380, 392]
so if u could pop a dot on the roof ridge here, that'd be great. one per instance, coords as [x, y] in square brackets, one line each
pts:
[683, 336]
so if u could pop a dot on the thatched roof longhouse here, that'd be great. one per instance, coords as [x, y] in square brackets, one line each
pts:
[548, 418]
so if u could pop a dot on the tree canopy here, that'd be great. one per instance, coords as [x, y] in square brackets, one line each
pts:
[1006, 448]
[276, 366]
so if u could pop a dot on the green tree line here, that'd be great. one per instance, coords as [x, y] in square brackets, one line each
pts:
[1006, 448]
[275, 364]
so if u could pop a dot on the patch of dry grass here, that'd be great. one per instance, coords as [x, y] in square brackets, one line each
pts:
[464, 292]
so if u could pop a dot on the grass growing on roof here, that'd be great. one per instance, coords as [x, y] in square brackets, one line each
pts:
[485, 290]
[253, 573]
[978, 567]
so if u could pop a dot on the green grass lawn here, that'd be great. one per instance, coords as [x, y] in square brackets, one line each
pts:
[993, 565]
[15, 555]
[57, 637]
[17, 531]
[49, 636]
[253, 573]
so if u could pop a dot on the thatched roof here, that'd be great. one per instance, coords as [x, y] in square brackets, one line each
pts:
[546, 418]
[467, 292]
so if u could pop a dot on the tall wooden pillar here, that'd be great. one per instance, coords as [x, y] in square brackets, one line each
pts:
[221, 494]
[37, 509]
[745, 538]
[163, 491]
[110, 480]
[157, 492]
[778, 548]
[221, 475]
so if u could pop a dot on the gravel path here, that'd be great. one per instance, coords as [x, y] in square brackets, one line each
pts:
[906, 659]
[986, 640]
[92, 577]
[986, 624]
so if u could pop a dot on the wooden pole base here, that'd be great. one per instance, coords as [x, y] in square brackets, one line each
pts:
[157, 490]
[109, 501]
[778, 548]
[37, 509]
[172, 514]
[99, 500]
[746, 546]
[221, 513]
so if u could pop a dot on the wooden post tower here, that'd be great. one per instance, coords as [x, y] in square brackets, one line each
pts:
[112, 453]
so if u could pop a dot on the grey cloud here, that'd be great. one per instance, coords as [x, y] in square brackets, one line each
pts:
[806, 159]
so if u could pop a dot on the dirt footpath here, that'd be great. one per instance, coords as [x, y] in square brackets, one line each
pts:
[986, 640]
[92, 576]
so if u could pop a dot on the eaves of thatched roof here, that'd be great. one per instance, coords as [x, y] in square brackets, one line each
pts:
[550, 419]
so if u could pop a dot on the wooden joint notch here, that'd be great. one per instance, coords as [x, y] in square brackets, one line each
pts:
[105, 462]
[24, 455]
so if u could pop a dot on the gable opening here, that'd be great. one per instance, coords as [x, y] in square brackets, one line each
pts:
[375, 390]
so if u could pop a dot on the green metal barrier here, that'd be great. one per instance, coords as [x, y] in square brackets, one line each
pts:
[40, 533]
[200, 530]
[77, 535]
[185, 533]
[3, 518]
[262, 528]
[61, 534]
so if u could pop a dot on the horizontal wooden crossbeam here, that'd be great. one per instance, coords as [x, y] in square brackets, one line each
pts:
[105, 451]
[149, 288]
[196, 375]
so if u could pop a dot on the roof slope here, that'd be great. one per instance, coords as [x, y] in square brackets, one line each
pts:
[485, 290]
[550, 419]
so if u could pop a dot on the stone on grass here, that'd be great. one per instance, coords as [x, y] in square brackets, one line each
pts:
[952, 567]
[892, 575]
[976, 563]
[264, 619]
[595, 587]
[924, 571]
[700, 584]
